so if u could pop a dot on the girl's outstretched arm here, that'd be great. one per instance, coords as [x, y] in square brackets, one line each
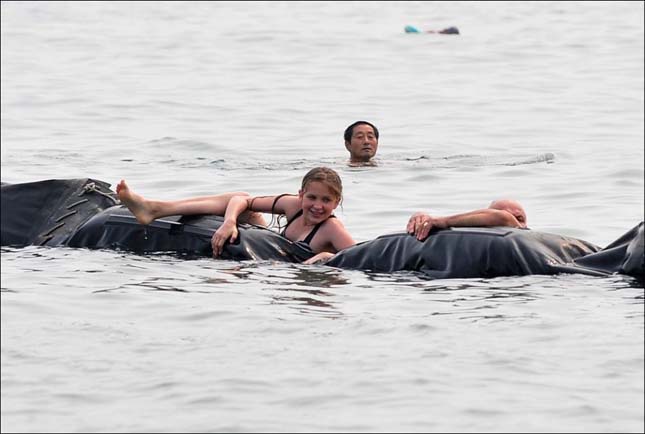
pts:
[238, 204]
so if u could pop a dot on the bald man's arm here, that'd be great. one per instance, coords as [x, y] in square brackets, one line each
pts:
[480, 217]
[421, 224]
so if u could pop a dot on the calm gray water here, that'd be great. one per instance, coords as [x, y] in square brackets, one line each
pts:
[539, 101]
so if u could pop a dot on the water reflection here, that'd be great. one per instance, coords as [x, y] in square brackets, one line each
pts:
[320, 277]
[284, 273]
[307, 305]
[474, 300]
[150, 284]
[520, 287]
[630, 287]
[462, 161]
[301, 287]
[162, 284]
[633, 282]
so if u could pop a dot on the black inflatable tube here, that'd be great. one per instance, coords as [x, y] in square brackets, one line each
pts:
[84, 213]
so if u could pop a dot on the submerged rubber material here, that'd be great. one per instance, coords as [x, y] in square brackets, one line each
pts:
[83, 213]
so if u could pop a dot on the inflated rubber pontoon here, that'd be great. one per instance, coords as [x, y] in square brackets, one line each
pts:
[85, 213]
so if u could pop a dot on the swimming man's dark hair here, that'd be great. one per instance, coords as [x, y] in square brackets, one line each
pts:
[350, 130]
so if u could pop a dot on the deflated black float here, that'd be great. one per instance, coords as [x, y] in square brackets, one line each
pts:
[85, 213]
[492, 252]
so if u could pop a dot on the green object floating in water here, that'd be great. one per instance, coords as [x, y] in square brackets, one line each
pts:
[447, 31]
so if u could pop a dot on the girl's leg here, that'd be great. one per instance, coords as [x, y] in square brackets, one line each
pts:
[147, 210]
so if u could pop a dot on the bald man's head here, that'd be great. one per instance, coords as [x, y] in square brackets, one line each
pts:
[513, 207]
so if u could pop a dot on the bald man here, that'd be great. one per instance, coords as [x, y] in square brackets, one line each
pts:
[503, 212]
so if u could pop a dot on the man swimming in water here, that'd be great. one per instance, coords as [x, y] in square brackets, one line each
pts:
[361, 140]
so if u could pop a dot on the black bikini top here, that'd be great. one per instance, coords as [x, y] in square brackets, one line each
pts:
[311, 234]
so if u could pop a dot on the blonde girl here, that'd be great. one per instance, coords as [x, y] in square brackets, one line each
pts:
[309, 213]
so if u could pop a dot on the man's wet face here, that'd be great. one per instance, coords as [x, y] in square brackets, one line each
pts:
[363, 143]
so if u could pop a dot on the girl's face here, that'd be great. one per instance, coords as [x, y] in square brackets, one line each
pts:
[318, 202]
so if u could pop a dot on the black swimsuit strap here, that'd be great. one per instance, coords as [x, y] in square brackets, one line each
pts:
[311, 234]
[277, 198]
[295, 216]
[310, 237]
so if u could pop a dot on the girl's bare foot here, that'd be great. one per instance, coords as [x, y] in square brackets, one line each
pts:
[138, 205]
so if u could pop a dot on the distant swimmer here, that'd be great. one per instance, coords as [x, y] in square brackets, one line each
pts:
[447, 31]
[361, 140]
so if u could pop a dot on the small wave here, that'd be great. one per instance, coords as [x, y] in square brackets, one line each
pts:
[474, 160]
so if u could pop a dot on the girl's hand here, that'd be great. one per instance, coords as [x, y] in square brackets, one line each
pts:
[228, 230]
[320, 258]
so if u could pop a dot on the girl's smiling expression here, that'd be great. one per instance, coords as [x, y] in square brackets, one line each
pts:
[318, 202]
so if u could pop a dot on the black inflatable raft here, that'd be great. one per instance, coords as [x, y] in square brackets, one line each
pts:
[85, 213]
